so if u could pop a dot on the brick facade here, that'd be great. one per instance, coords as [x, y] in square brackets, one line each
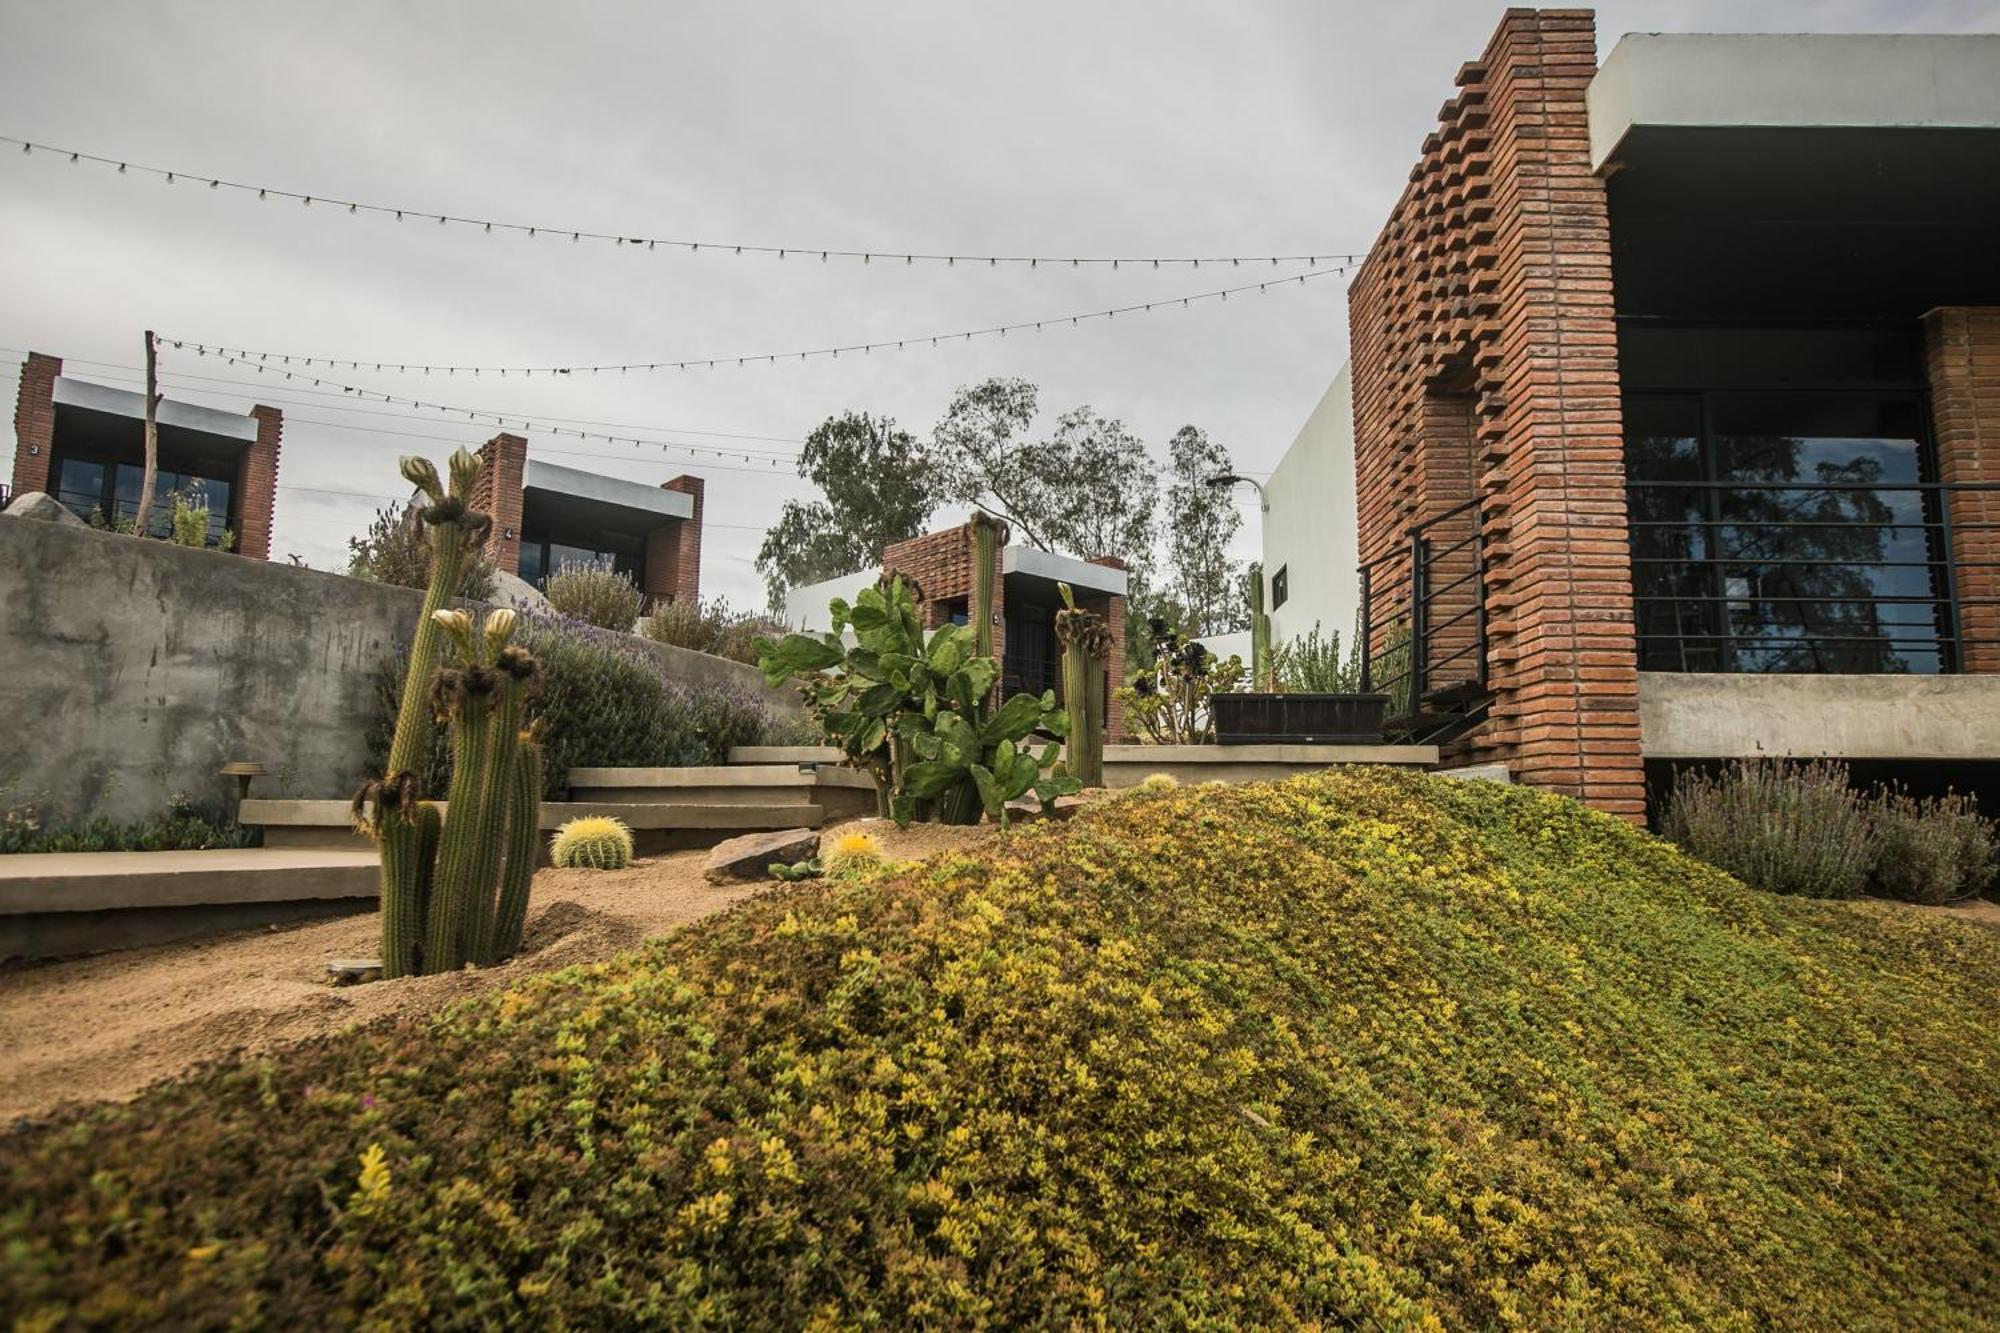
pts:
[1962, 356]
[673, 552]
[499, 495]
[1485, 364]
[35, 422]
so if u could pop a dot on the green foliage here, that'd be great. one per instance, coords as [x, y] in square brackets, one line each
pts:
[1169, 699]
[1932, 851]
[608, 702]
[880, 489]
[185, 827]
[1202, 520]
[798, 870]
[1360, 1049]
[188, 522]
[1788, 828]
[709, 627]
[396, 550]
[592, 842]
[1313, 663]
[1087, 489]
[915, 712]
[596, 594]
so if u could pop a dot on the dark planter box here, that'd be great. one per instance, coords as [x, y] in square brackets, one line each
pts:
[1299, 719]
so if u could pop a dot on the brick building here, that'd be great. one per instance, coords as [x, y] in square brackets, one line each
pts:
[1676, 390]
[545, 516]
[85, 444]
[1026, 597]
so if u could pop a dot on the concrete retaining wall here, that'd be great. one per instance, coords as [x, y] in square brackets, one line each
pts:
[132, 669]
[1698, 716]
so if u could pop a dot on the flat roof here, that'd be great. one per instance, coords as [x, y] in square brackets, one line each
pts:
[1079, 574]
[1793, 80]
[577, 484]
[124, 403]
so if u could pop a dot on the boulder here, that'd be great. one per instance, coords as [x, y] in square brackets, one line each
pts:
[752, 855]
[41, 505]
[515, 591]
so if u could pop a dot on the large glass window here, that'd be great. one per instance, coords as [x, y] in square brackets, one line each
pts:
[541, 557]
[101, 491]
[1788, 528]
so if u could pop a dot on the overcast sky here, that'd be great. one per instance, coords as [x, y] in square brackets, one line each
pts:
[1053, 128]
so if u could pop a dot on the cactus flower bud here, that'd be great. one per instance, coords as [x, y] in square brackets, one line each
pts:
[500, 624]
[465, 470]
[423, 474]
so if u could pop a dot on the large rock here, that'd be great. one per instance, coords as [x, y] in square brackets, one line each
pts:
[43, 506]
[515, 591]
[752, 855]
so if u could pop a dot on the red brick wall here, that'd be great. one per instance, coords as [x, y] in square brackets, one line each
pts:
[499, 495]
[35, 422]
[1491, 287]
[673, 551]
[1962, 351]
[257, 484]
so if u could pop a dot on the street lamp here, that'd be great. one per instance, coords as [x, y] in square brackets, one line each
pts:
[1225, 479]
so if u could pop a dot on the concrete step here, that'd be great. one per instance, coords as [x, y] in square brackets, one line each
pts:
[54, 904]
[842, 792]
[657, 825]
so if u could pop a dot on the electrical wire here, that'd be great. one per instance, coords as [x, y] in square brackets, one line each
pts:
[628, 240]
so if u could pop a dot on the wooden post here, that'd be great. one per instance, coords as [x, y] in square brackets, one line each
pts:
[152, 434]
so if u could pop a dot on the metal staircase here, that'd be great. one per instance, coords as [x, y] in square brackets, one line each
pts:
[1423, 621]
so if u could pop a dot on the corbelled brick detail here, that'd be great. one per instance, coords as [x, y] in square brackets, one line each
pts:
[1962, 354]
[1490, 289]
[941, 565]
[257, 484]
[35, 422]
[673, 552]
[499, 494]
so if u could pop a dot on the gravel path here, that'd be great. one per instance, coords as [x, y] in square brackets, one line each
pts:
[108, 1025]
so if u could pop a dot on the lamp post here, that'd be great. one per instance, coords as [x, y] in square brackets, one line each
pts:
[1260, 626]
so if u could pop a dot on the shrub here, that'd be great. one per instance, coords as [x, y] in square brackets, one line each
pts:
[592, 842]
[606, 701]
[1358, 1049]
[1313, 663]
[1169, 698]
[394, 551]
[1931, 851]
[595, 594]
[1779, 826]
[184, 827]
[710, 627]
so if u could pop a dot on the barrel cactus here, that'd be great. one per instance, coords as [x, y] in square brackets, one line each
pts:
[592, 842]
[852, 854]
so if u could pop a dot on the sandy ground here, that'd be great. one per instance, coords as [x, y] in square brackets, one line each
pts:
[106, 1026]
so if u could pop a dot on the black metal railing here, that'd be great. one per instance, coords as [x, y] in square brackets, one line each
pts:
[1811, 576]
[1423, 611]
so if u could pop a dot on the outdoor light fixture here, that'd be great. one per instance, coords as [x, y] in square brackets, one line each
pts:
[1222, 479]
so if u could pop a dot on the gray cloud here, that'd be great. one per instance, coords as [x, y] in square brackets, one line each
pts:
[1042, 127]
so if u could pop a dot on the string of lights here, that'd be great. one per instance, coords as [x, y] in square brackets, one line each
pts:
[632, 241]
[277, 360]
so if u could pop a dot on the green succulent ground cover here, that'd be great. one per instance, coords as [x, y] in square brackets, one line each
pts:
[1360, 1048]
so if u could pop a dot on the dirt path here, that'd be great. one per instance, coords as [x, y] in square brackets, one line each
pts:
[106, 1026]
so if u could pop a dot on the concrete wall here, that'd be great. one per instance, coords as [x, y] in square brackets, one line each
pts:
[131, 669]
[1310, 530]
[1844, 717]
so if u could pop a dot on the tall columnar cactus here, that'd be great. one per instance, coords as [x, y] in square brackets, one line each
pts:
[987, 534]
[1260, 632]
[454, 883]
[1086, 650]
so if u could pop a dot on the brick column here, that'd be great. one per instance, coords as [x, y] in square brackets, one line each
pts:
[673, 550]
[499, 495]
[1962, 358]
[257, 484]
[35, 422]
[1486, 305]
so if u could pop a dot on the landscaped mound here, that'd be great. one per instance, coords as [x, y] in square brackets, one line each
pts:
[1357, 1047]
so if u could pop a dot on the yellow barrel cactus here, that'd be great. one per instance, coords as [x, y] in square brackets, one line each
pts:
[592, 842]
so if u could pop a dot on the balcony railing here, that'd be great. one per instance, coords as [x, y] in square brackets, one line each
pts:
[1849, 577]
[1423, 620]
